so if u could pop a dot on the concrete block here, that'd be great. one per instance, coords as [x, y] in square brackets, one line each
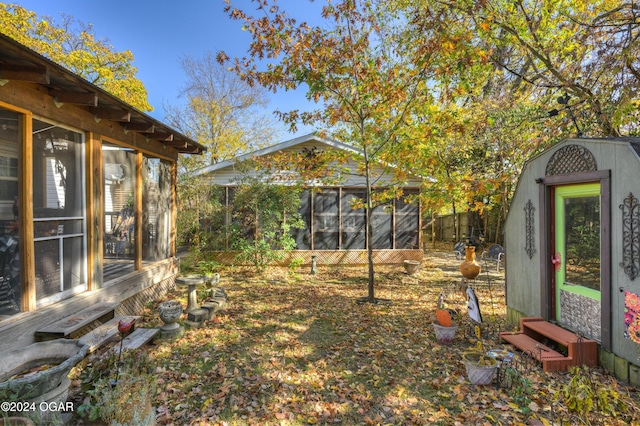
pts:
[622, 369]
[634, 375]
[606, 359]
[198, 315]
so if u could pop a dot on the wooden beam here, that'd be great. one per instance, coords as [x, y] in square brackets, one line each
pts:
[174, 209]
[140, 127]
[111, 114]
[191, 150]
[162, 137]
[75, 98]
[32, 74]
[177, 144]
[137, 206]
[95, 218]
[25, 219]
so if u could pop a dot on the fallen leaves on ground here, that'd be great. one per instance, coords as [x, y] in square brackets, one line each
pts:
[293, 348]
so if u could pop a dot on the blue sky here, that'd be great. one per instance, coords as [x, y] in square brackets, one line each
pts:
[160, 32]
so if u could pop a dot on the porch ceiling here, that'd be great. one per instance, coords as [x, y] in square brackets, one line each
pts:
[20, 63]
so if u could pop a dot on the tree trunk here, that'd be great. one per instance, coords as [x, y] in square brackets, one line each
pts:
[371, 287]
[456, 237]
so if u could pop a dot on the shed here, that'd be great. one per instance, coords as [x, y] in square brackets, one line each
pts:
[573, 245]
[87, 196]
[335, 232]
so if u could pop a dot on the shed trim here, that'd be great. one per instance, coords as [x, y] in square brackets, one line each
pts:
[546, 208]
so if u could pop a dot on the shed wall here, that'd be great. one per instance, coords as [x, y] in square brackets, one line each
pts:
[524, 272]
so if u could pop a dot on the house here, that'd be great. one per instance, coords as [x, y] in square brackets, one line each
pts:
[573, 246]
[334, 232]
[87, 197]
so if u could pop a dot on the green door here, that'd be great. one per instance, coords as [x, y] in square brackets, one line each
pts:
[576, 258]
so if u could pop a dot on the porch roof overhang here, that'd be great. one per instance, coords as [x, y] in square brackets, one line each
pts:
[212, 169]
[19, 63]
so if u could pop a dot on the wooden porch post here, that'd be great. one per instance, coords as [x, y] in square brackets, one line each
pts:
[95, 209]
[28, 269]
[138, 212]
[174, 208]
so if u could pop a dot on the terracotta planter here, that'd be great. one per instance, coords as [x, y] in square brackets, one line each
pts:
[469, 267]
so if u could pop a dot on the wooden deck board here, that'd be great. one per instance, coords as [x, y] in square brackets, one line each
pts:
[529, 344]
[552, 331]
[64, 327]
[137, 339]
[100, 335]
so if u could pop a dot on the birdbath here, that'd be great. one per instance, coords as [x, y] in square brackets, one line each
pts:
[191, 282]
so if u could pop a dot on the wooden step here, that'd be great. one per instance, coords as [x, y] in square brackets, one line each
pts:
[528, 344]
[100, 335]
[583, 351]
[550, 331]
[65, 327]
[137, 339]
[551, 360]
[534, 332]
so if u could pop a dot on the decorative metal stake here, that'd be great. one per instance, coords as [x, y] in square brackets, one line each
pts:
[314, 266]
[529, 245]
[123, 328]
[630, 236]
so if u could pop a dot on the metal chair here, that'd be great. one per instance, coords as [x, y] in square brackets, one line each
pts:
[459, 251]
[495, 253]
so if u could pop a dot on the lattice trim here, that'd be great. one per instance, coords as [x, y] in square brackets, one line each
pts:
[571, 159]
[135, 304]
[334, 257]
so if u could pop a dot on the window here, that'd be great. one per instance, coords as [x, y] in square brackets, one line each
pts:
[407, 221]
[58, 210]
[156, 208]
[325, 220]
[119, 166]
[353, 220]
[10, 273]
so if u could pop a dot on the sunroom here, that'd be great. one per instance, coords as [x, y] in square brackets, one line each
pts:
[87, 194]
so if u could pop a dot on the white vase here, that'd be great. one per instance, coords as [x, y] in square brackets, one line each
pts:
[444, 335]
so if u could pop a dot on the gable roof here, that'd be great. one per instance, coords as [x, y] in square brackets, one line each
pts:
[20, 63]
[291, 143]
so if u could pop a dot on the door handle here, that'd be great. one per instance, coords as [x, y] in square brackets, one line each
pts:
[556, 260]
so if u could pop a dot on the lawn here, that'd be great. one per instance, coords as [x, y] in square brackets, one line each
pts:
[294, 348]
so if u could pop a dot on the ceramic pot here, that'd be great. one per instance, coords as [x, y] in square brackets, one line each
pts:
[444, 335]
[477, 372]
[469, 267]
[170, 312]
[411, 266]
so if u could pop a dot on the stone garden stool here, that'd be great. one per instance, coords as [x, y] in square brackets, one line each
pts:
[191, 282]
